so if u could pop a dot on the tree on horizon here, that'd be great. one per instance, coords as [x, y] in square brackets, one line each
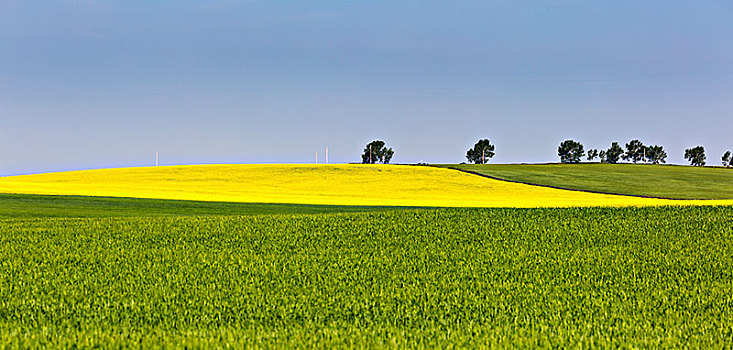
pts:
[634, 151]
[696, 155]
[727, 159]
[376, 151]
[570, 151]
[481, 152]
[614, 153]
[655, 154]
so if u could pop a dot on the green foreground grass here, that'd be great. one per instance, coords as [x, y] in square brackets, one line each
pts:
[668, 181]
[33, 206]
[593, 277]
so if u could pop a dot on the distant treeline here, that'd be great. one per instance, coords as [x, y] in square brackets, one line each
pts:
[569, 151]
[635, 151]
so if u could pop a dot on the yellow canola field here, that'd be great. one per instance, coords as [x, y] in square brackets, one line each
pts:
[352, 184]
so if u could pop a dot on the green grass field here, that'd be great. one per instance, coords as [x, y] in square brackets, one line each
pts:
[668, 181]
[631, 277]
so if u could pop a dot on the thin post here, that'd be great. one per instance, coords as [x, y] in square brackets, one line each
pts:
[326, 154]
[156, 158]
[316, 155]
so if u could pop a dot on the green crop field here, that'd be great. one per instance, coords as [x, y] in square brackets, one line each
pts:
[669, 181]
[36, 206]
[594, 277]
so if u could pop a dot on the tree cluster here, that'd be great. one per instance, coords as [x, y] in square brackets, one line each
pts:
[635, 152]
[569, 151]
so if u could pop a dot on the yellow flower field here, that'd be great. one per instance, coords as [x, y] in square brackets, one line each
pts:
[383, 185]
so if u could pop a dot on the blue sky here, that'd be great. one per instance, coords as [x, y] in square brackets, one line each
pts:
[88, 84]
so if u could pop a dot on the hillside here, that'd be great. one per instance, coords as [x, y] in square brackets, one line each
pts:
[359, 185]
[667, 181]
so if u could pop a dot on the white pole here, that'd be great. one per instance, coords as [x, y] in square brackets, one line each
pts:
[316, 155]
[326, 154]
[156, 158]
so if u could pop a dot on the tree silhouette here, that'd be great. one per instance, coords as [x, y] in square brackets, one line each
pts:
[727, 159]
[696, 155]
[613, 153]
[376, 151]
[655, 154]
[634, 151]
[570, 151]
[481, 152]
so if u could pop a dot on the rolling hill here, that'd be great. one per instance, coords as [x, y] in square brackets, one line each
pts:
[667, 181]
[359, 185]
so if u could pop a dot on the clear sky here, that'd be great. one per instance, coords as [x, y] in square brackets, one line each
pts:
[92, 83]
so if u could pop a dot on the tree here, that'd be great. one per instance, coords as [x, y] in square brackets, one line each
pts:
[613, 153]
[602, 156]
[481, 152]
[593, 154]
[634, 151]
[376, 151]
[727, 159]
[655, 154]
[570, 151]
[696, 155]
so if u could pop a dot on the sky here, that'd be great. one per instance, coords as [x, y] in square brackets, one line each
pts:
[91, 83]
